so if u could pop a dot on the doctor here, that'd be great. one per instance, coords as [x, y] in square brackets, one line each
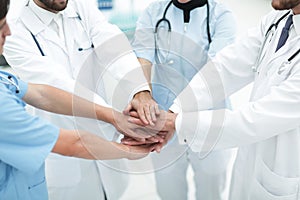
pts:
[60, 43]
[267, 129]
[173, 40]
[25, 140]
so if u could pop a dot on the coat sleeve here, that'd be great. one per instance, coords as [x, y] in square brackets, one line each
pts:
[23, 56]
[114, 51]
[229, 71]
[256, 121]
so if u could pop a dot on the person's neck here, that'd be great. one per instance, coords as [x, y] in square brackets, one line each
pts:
[183, 1]
[40, 4]
[296, 10]
[188, 6]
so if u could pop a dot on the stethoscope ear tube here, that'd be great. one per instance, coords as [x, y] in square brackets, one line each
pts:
[275, 25]
[37, 44]
[164, 19]
[207, 24]
[268, 33]
[161, 20]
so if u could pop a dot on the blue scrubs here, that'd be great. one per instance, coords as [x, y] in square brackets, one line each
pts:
[185, 50]
[25, 142]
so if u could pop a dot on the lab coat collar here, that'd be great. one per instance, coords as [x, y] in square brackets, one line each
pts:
[41, 18]
[45, 16]
[296, 21]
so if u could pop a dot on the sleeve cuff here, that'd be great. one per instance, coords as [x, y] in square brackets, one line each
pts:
[140, 89]
[180, 136]
[176, 107]
[192, 129]
[23, 88]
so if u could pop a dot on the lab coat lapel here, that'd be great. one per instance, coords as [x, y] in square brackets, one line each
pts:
[69, 36]
[36, 27]
[69, 27]
[286, 51]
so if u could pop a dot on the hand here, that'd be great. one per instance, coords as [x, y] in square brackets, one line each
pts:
[136, 152]
[165, 126]
[164, 137]
[137, 131]
[165, 122]
[167, 137]
[145, 106]
[151, 140]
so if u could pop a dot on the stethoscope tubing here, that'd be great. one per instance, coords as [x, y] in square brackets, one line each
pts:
[79, 49]
[164, 19]
[268, 33]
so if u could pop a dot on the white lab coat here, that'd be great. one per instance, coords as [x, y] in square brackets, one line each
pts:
[64, 67]
[266, 130]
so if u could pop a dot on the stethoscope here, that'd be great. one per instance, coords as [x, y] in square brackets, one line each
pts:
[79, 49]
[8, 79]
[270, 32]
[164, 19]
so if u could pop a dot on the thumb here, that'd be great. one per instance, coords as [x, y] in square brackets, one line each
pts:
[127, 109]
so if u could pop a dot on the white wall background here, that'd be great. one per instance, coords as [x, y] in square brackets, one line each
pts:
[247, 13]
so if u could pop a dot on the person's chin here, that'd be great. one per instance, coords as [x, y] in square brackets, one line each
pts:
[62, 3]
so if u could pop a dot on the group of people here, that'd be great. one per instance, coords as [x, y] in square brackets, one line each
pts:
[177, 75]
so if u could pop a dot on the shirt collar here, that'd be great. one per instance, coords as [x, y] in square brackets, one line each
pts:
[296, 22]
[44, 15]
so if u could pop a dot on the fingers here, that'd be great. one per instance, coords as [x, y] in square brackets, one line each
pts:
[153, 112]
[156, 108]
[147, 114]
[133, 142]
[136, 121]
[144, 114]
[134, 114]
[158, 147]
[147, 109]
[127, 109]
[152, 140]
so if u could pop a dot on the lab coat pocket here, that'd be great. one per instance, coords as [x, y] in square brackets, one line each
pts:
[268, 185]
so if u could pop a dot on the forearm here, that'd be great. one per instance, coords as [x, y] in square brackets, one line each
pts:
[146, 66]
[61, 102]
[82, 144]
[101, 149]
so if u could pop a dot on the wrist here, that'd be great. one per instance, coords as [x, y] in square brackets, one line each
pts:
[171, 119]
[141, 93]
[120, 151]
[105, 114]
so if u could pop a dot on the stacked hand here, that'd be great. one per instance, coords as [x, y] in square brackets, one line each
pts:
[156, 125]
[162, 131]
[143, 125]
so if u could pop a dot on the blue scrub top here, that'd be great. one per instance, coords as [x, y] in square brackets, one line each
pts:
[185, 50]
[25, 142]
